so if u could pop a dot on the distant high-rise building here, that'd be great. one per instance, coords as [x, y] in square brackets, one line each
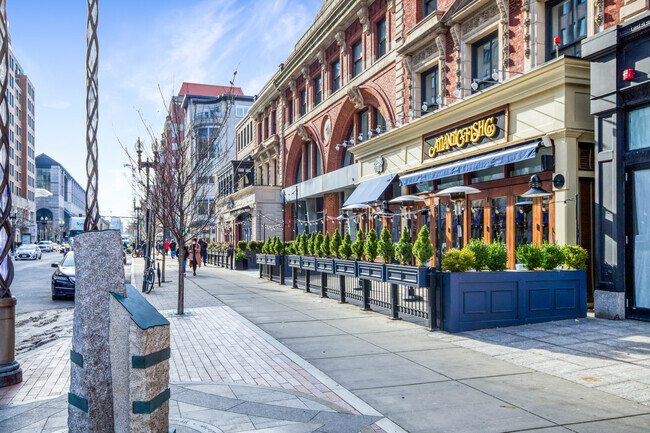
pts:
[22, 151]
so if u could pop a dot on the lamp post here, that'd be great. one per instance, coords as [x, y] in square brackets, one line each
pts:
[43, 221]
[147, 165]
[13, 217]
[61, 227]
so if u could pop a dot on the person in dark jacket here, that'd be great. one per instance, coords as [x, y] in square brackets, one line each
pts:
[172, 247]
[204, 251]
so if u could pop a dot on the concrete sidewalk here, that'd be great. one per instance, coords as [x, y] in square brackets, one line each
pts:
[252, 355]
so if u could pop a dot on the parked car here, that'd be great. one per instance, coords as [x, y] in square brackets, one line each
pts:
[28, 252]
[63, 279]
[46, 246]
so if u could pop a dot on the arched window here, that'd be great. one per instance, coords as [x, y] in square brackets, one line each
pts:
[311, 157]
[348, 157]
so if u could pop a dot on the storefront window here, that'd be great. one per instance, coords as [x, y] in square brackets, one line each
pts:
[441, 233]
[530, 166]
[488, 174]
[523, 221]
[639, 128]
[477, 219]
[458, 211]
[499, 210]
[447, 182]
[545, 222]
[395, 227]
[424, 187]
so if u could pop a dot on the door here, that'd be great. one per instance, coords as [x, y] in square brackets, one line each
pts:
[638, 243]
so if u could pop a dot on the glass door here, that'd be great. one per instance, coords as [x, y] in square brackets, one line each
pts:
[640, 243]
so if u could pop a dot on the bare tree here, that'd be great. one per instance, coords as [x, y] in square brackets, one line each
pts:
[179, 195]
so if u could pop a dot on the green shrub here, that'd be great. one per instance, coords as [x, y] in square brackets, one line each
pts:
[290, 247]
[240, 255]
[371, 246]
[302, 246]
[336, 243]
[458, 260]
[242, 245]
[404, 248]
[386, 246]
[359, 246]
[497, 256]
[266, 248]
[325, 246]
[481, 253]
[422, 248]
[575, 257]
[278, 247]
[552, 256]
[318, 243]
[530, 255]
[345, 251]
[311, 244]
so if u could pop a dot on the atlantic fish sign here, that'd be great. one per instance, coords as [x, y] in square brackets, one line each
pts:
[491, 127]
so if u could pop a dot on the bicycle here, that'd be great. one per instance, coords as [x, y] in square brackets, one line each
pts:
[149, 279]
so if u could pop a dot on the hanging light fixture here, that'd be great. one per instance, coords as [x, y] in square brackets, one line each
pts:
[536, 189]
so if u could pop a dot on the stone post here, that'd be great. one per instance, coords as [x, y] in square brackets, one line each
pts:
[10, 371]
[99, 271]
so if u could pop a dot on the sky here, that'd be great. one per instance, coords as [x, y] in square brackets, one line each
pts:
[147, 49]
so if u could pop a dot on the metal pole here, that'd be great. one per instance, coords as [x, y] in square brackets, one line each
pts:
[92, 117]
[10, 371]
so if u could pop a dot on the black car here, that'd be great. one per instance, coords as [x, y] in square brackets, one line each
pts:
[63, 279]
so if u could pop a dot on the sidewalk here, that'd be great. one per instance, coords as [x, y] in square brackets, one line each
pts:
[254, 355]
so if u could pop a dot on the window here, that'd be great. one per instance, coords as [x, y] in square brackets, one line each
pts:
[290, 108]
[266, 127]
[430, 91]
[485, 58]
[336, 75]
[566, 19]
[429, 6]
[381, 38]
[364, 124]
[357, 58]
[241, 111]
[274, 122]
[638, 128]
[348, 157]
[303, 102]
[318, 90]
[259, 132]
[488, 174]
[530, 166]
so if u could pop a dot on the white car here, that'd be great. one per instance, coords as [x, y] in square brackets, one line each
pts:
[45, 246]
[28, 252]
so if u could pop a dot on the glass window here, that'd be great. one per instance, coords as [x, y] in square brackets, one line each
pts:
[266, 127]
[307, 160]
[457, 218]
[430, 91]
[357, 58]
[487, 174]
[499, 210]
[485, 59]
[348, 157]
[477, 219]
[450, 181]
[523, 221]
[545, 223]
[290, 106]
[429, 6]
[319, 160]
[381, 38]
[424, 187]
[303, 102]
[336, 75]
[441, 221]
[639, 128]
[274, 122]
[299, 171]
[364, 124]
[530, 166]
[566, 19]
[380, 122]
[318, 90]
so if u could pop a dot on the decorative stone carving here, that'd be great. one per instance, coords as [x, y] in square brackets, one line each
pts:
[363, 19]
[356, 97]
[305, 73]
[525, 7]
[599, 6]
[390, 4]
[327, 129]
[505, 30]
[340, 40]
[292, 86]
[441, 42]
[302, 132]
[478, 20]
[320, 56]
[455, 31]
[379, 165]
[426, 53]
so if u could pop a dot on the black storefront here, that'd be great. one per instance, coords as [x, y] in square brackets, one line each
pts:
[620, 102]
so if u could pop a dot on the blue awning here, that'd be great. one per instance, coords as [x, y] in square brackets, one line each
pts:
[370, 190]
[495, 159]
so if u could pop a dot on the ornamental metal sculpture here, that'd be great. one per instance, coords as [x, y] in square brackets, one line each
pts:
[92, 117]
[6, 232]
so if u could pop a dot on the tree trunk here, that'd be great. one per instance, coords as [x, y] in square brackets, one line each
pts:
[181, 279]
[164, 240]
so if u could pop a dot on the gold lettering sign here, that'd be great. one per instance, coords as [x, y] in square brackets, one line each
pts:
[484, 128]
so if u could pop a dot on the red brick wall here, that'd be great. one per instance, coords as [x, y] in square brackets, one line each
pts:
[331, 207]
[288, 218]
[450, 67]
[612, 8]
[516, 36]
[412, 14]
[443, 5]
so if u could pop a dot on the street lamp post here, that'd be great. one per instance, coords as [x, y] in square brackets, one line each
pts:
[13, 231]
[61, 227]
[147, 165]
[43, 221]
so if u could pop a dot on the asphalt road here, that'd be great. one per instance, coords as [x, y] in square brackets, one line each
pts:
[31, 285]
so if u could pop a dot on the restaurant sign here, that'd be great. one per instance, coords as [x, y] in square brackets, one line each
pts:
[485, 129]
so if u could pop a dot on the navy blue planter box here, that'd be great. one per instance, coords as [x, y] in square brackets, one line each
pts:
[261, 259]
[346, 268]
[412, 276]
[371, 271]
[477, 300]
[293, 261]
[308, 263]
[272, 260]
[325, 265]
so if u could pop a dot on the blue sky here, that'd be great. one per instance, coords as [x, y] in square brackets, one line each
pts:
[142, 45]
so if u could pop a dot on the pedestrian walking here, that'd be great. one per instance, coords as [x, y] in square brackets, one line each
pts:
[195, 255]
[166, 248]
[186, 254]
[204, 251]
[172, 247]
